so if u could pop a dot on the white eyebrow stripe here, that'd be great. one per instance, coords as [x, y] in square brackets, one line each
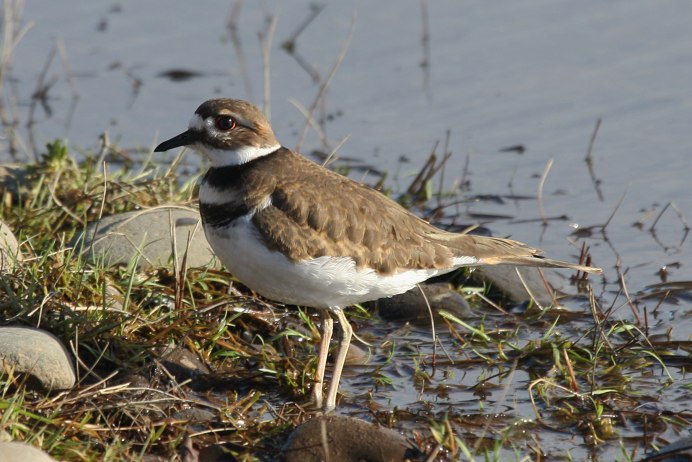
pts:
[199, 124]
[242, 121]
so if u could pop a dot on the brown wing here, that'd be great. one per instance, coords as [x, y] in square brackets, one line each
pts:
[336, 216]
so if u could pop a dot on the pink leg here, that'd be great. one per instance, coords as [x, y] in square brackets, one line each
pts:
[326, 335]
[344, 342]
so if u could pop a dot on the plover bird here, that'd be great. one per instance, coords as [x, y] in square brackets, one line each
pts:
[300, 234]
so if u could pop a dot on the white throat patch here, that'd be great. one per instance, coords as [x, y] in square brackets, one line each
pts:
[227, 157]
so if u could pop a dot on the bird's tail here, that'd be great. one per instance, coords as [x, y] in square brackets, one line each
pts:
[538, 261]
[498, 251]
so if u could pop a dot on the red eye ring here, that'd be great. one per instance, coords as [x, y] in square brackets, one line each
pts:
[225, 123]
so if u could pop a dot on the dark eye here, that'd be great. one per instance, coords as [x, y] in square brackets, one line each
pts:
[225, 123]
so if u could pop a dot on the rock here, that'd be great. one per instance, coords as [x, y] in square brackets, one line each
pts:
[195, 415]
[118, 239]
[356, 356]
[346, 439]
[15, 451]
[182, 364]
[504, 279]
[677, 451]
[39, 354]
[10, 254]
[134, 380]
[411, 305]
[222, 452]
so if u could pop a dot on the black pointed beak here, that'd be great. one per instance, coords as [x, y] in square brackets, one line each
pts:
[184, 139]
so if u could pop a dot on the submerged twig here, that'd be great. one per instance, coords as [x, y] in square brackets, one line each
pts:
[425, 45]
[232, 26]
[316, 9]
[418, 189]
[541, 184]
[589, 161]
[64, 59]
[465, 183]
[617, 206]
[681, 217]
[289, 45]
[40, 95]
[325, 83]
[447, 154]
[266, 42]
[11, 35]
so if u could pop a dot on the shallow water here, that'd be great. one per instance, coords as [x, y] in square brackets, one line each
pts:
[534, 73]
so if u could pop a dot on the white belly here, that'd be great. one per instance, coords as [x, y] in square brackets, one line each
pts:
[321, 282]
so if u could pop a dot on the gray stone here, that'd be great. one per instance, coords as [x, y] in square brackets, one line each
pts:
[39, 354]
[356, 356]
[146, 235]
[195, 415]
[10, 254]
[15, 451]
[412, 306]
[505, 279]
[183, 364]
[677, 451]
[346, 439]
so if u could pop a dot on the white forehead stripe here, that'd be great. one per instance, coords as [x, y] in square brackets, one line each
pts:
[196, 123]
